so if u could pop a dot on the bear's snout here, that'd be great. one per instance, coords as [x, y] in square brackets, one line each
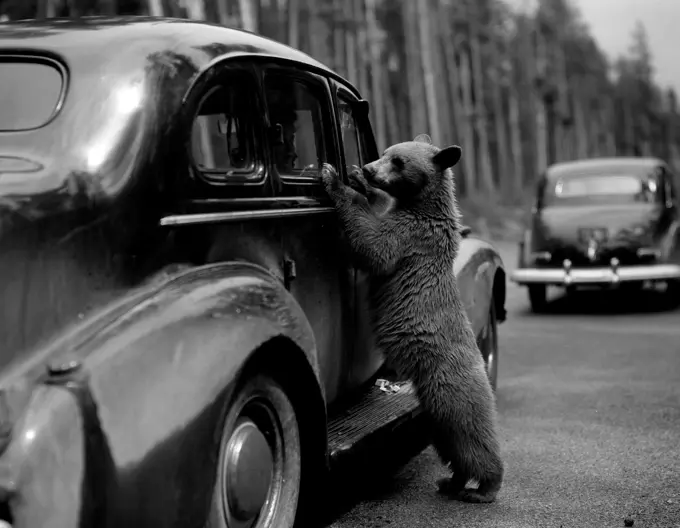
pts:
[374, 174]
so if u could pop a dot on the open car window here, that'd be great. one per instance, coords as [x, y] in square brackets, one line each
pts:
[221, 134]
[296, 120]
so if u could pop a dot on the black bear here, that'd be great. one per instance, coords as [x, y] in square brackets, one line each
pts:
[408, 246]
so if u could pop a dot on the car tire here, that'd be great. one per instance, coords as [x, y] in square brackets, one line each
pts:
[259, 463]
[673, 292]
[538, 297]
[488, 346]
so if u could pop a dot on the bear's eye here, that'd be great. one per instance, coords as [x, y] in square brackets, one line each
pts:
[398, 163]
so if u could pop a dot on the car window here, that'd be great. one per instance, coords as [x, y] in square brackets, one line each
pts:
[29, 93]
[296, 117]
[350, 135]
[221, 134]
[614, 188]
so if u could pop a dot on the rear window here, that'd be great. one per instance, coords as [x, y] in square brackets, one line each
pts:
[29, 93]
[617, 188]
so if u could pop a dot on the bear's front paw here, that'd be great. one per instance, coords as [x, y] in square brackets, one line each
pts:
[329, 177]
[358, 182]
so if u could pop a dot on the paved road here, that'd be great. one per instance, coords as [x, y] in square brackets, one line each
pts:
[589, 410]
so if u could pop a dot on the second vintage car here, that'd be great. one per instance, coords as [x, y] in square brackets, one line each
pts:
[606, 222]
[184, 339]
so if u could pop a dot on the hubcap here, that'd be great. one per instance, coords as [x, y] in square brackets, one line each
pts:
[249, 470]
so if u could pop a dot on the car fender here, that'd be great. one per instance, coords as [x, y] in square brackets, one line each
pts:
[481, 280]
[154, 381]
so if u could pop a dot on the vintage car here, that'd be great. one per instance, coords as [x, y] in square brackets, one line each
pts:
[184, 337]
[604, 222]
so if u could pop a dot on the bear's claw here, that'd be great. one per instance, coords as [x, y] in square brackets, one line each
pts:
[329, 176]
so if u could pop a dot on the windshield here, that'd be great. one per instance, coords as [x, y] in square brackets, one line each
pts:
[29, 93]
[583, 190]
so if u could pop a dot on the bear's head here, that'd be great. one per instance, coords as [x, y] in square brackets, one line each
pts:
[413, 169]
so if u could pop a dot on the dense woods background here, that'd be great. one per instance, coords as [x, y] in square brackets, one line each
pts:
[517, 90]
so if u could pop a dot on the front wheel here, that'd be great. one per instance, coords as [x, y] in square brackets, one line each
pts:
[538, 297]
[488, 346]
[259, 466]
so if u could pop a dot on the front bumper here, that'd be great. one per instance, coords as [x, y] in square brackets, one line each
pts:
[606, 275]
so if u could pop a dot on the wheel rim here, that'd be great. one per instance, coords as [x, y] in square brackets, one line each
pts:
[252, 466]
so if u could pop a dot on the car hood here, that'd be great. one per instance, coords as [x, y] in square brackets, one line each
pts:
[623, 221]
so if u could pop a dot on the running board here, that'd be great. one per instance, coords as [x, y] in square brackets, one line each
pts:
[374, 423]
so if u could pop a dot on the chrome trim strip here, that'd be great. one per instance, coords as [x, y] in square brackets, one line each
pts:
[611, 275]
[237, 216]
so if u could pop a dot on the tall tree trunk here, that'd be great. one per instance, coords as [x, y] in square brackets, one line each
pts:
[223, 12]
[582, 130]
[538, 71]
[195, 9]
[248, 10]
[392, 126]
[428, 70]
[339, 30]
[504, 167]
[485, 174]
[442, 88]
[350, 41]
[155, 7]
[377, 91]
[414, 87]
[294, 23]
[516, 140]
[460, 124]
[362, 39]
[471, 160]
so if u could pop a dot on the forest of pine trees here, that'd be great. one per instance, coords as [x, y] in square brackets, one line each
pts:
[517, 90]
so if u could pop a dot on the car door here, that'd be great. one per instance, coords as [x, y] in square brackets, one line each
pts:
[358, 148]
[302, 136]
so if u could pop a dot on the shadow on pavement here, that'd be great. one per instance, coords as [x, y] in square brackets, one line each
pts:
[373, 476]
[611, 302]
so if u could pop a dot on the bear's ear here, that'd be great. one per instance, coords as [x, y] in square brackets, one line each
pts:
[423, 138]
[448, 157]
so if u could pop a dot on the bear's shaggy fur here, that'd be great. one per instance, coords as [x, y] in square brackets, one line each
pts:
[408, 248]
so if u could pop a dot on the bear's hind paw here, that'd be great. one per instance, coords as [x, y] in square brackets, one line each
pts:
[474, 496]
[450, 486]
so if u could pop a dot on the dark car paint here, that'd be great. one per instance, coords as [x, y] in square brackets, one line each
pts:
[555, 227]
[134, 293]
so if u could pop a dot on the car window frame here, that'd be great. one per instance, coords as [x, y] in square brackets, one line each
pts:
[360, 111]
[345, 96]
[318, 85]
[255, 175]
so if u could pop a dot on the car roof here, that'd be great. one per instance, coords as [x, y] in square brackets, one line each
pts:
[124, 40]
[599, 166]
